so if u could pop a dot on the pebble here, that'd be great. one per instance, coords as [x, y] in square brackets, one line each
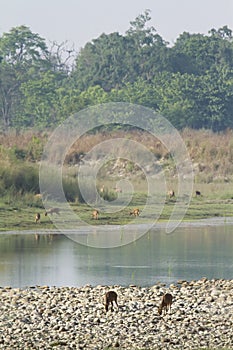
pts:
[44, 317]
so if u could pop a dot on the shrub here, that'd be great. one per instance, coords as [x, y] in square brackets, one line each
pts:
[19, 178]
[35, 149]
[19, 153]
[107, 195]
[71, 190]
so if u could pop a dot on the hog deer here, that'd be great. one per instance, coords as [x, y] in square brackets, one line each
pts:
[95, 214]
[38, 196]
[102, 189]
[37, 218]
[52, 211]
[110, 297]
[165, 303]
[198, 193]
[171, 194]
[117, 189]
[134, 212]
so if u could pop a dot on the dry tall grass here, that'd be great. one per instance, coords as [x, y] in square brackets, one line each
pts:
[211, 153]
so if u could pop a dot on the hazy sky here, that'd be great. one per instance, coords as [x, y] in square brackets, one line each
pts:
[79, 21]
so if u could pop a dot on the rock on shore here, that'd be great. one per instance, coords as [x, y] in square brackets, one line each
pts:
[75, 318]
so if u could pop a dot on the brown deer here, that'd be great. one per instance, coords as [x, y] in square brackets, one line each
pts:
[52, 211]
[117, 189]
[102, 189]
[171, 194]
[95, 214]
[165, 303]
[38, 196]
[110, 297]
[134, 212]
[37, 218]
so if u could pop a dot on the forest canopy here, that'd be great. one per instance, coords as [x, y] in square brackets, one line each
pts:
[190, 83]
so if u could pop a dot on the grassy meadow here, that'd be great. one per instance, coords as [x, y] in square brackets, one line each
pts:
[211, 155]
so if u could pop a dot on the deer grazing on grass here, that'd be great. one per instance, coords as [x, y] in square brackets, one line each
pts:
[171, 194]
[52, 211]
[110, 297]
[134, 212]
[95, 214]
[37, 218]
[165, 303]
[102, 189]
[117, 189]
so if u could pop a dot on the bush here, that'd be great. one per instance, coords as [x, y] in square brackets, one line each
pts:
[73, 193]
[19, 179]
[35, 149]
[71, 190]
[19, 153]
[107, 195]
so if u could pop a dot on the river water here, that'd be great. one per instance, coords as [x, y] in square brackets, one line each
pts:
[190, 252]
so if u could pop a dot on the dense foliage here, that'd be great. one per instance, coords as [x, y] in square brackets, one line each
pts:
[190, 83]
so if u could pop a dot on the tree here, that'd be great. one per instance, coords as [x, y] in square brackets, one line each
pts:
[101, 62]
[197, 53]
[9, 95]
[190, 83]
[223, 33]
[39, 101]
[113, 60]
[21, 46]
[174, 93]
[140, 92]
[60, 57]
[149, 50]
[214, 99]
[29, 76]
[21, 52]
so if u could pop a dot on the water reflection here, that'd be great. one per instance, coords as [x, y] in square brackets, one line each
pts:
[51, 259]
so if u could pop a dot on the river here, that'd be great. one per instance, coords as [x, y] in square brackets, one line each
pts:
[190, 252]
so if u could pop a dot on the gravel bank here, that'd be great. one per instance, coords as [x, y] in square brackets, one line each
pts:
[75, 318]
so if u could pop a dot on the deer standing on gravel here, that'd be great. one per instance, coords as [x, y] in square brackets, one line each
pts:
[95, 214]
[52, 211]
[165, 303]
[110, 297]
[134, 212]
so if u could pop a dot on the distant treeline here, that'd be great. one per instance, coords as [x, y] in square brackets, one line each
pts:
[190, 83]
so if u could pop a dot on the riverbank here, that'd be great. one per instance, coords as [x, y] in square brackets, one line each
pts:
[16, 217]
[75, 318]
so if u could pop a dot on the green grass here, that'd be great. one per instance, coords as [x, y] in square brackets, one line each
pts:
[18, 213]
